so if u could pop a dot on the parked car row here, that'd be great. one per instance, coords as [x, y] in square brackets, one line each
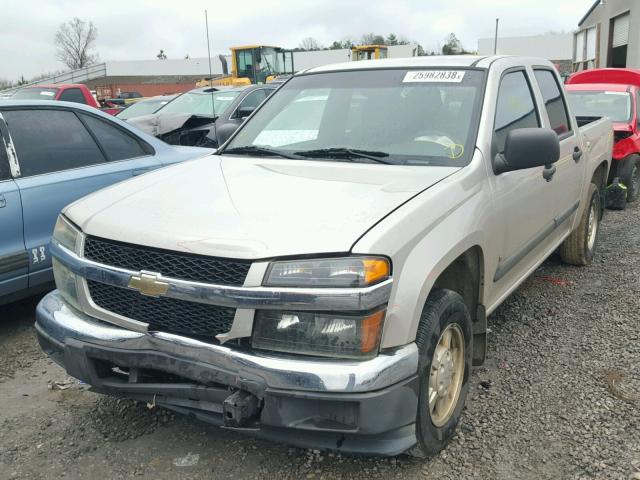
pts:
[324, 279]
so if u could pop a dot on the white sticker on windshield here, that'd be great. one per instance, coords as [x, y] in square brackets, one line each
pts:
[452, 76]
[48, 94]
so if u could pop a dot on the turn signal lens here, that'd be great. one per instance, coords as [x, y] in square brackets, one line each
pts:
[375, 270]
[352, 271]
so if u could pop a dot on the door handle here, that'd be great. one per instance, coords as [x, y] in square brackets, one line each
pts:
[140, 171]
[549, 172]
[3, 201]
[577, 154]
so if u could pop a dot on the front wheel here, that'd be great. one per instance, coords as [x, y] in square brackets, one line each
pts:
[579, 247]
[444, 343]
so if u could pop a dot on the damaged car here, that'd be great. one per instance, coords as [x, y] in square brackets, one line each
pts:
[203, 117]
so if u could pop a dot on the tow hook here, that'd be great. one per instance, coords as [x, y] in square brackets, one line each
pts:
[239, 408]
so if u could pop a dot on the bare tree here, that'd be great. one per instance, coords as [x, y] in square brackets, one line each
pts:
[309, 43]
[73, 41]
[372, 39]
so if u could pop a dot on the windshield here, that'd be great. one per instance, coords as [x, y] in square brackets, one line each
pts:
[145, 107]
[615, 105]
[36, 93]
[418, 117]
[200, 103]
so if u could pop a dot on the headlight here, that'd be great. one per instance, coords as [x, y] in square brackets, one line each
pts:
[328, 272]
[318, 334]
[66, 283]
[65, 233]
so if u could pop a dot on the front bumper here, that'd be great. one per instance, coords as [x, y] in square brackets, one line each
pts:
[358, 407]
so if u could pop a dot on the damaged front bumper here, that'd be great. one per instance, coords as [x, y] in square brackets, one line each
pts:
[357, 407]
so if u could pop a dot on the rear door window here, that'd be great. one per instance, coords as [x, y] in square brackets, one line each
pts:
[50, 141]
[117, 144]
[553, 101]
[515, 108]
[72, 95]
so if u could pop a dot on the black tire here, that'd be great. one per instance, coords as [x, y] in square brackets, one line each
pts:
[576, 249]
[629, 173]
[443, 308]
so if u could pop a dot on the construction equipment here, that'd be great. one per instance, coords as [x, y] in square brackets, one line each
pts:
[368, 52]
[252, 64]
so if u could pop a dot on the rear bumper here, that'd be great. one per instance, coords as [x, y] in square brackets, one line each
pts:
[357, 407]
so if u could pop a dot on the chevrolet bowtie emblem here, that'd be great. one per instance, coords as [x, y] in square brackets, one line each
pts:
[148, 284]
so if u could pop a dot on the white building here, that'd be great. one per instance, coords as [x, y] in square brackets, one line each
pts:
[557, 47]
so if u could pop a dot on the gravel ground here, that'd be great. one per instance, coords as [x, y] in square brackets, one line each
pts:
[559, 398]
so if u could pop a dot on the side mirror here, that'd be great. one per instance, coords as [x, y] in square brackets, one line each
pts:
[528, 148]
[244, 112]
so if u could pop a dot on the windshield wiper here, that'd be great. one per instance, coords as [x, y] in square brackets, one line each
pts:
[345, 153]
[261, 152]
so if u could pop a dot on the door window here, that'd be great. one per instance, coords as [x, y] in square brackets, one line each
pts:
[515, 108]
[252, 100]
[73, 95]
[117, 144]
[50, 141]
[553, 101]
[245, 63]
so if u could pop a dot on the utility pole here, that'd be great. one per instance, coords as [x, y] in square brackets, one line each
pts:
[495, 38]
[213, 105]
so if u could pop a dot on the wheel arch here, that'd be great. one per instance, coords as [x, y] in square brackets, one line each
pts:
[461, 270]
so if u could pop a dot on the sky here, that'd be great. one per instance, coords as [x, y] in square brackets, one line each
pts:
[138, 29]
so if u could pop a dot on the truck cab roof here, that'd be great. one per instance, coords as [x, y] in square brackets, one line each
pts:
[451, 61]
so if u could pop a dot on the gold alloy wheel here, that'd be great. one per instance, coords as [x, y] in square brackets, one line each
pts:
[447, 372]
[592, 226]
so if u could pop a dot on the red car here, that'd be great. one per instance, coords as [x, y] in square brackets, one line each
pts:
[613, 93]
[70, 92]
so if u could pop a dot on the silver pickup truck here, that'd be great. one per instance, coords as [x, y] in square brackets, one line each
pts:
[324, 280]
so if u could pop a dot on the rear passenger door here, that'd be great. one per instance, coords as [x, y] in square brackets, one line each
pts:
[570, 170]
[14, 265]
[61, 160]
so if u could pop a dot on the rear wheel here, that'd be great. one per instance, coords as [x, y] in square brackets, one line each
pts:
[630, 176]
[444, 343]
[579, 247]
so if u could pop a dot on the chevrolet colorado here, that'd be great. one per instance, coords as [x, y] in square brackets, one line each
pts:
[324, 280]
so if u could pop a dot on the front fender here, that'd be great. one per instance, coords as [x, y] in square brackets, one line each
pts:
[424, 236]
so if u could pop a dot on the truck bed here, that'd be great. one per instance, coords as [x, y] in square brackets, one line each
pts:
[597, 135]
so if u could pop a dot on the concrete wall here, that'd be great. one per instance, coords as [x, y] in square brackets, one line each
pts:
[602, 14]
[549, 46]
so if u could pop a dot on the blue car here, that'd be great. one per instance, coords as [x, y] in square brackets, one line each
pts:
[52, 153]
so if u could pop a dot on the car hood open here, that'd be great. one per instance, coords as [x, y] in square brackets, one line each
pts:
[240, 207]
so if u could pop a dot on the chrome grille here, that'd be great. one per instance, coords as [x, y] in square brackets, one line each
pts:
[186, 266]
[163, 313]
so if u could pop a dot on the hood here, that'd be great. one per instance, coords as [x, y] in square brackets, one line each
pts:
[157, 124]
[252, 207]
